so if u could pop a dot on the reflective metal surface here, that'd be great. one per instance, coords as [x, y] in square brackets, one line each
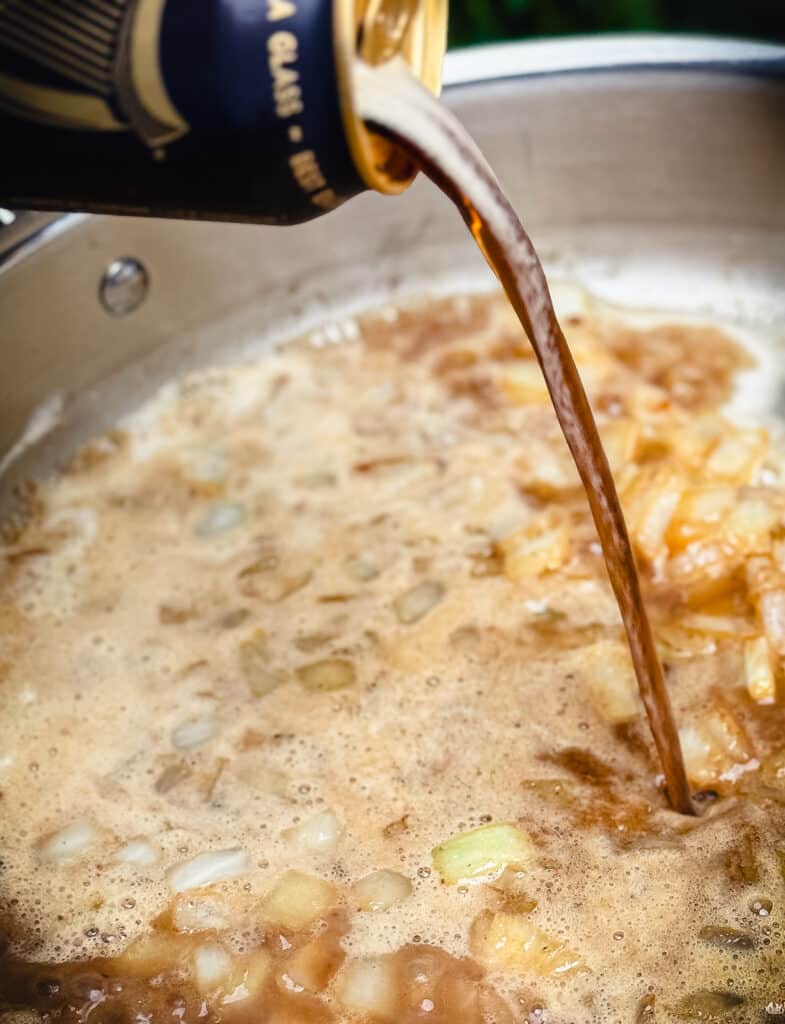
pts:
[655, 183]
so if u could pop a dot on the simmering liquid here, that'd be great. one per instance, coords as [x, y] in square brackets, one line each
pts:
[230, 653]
[396, 103]
[316, 705]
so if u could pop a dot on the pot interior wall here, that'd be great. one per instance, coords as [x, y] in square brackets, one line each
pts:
[654, 188]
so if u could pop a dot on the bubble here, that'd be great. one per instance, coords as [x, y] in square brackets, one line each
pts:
[761, 906]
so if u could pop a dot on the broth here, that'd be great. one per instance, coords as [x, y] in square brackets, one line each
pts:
[220, 639]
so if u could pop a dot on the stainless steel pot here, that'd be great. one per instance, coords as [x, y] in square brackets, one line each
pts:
[650, 169]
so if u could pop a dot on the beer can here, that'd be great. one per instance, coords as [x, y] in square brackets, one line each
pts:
[210, 109]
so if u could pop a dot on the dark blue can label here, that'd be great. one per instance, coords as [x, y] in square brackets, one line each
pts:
[225, 109]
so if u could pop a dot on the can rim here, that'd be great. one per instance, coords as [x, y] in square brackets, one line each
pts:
[379, 162]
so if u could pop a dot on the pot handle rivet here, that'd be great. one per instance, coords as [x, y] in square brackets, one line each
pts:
[124, 286]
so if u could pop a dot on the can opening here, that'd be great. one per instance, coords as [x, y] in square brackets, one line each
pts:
[378, 30]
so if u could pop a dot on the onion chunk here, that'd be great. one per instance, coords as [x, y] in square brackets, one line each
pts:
[482, 852]
[381, 890]
[208, 868]
[297, 900]
[513, 942]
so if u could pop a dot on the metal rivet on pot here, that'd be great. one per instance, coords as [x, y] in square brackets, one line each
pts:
[124, 286]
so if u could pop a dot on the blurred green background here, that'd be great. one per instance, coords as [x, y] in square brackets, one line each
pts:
[480, 21]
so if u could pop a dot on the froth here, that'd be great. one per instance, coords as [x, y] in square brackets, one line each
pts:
[277, 595]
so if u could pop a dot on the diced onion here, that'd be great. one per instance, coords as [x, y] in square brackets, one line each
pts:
[208, 467]
[68, 844]
[523, 383]
[311, 967]
[717, 625]
[620, 440]
[715, 748]
[649, 533]
[246, 979]
[512, 942]
[297, 900]
[540, 547]
[212, 965]
[193, 732]
[318, 834]
[362, 567]
[737, 456]
[650, 502]
[772, 614]
[749, 525]
[328, 674]
[256, 665]
[482, 853]
[700, 513]
[200, 913]
[381, 890]
[370, 987]
[220, 518]
[612, 685]
[412, 605]
[207, 868]
[759, 671]
[138, 851]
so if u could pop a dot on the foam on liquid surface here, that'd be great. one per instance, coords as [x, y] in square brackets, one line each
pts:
[292, 503]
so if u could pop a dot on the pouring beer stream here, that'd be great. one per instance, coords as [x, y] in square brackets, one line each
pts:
[394, 103]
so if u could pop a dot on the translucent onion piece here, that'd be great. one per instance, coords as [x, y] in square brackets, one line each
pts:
[318, 834]
[370, 987]
[414, 604]
[700, 513]
[205, 467]
[212, 965]
[297, 900]
[193, 732]
[523, 383]
[738, 455]
[311, 967]
[68, 844]
[512, 942]
[262, 677]
[220, 518]
[715, 747]
[707, 1006]
[156, 952]
[772, 613]
[328, 674]
[540, 547]
[381, 890]
[759, 671]
[650, 502]
[138, 851]
[207, 868]
[362, 567]
[482, 853]
[620, 440]
[612, 685]
[200, 913]
[246, 979]
[748, 526]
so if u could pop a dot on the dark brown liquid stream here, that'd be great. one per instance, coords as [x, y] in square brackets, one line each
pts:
[438, 144]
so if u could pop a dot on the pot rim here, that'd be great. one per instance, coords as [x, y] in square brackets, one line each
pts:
[624, 51]
[496, 62]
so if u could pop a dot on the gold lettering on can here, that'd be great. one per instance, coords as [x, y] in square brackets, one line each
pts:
[282, 51]
[326, 199]
[306, 170]
[277, 10]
